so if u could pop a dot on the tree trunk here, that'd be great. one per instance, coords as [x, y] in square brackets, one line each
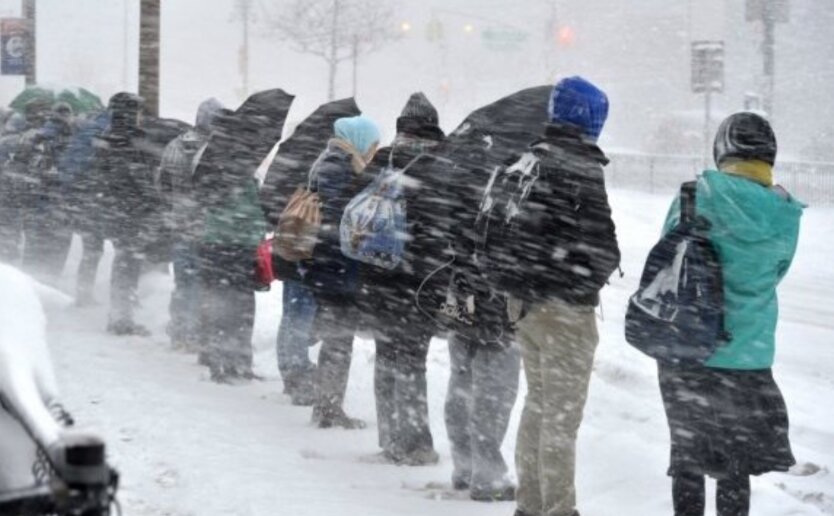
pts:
[149, 55]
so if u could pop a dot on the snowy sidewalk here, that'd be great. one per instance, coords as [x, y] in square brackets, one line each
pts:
[186, 446]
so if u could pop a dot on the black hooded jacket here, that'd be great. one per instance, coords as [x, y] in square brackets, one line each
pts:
[388, 297]
[569, 247]
[124, 170]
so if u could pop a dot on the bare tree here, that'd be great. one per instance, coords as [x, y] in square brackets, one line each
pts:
[337, 30]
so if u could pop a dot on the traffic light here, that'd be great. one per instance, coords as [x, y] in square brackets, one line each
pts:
[566, 36]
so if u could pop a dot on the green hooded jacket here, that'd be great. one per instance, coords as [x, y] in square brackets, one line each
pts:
[239, 221]
[755, 231]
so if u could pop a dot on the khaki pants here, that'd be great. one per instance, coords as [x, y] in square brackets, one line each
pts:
[558, 341]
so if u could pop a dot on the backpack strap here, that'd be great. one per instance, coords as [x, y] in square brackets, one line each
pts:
[687, 198]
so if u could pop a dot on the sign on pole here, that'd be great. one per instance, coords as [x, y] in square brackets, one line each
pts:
[503, 38]
[707, 66]
[15, 39]
[778, 11]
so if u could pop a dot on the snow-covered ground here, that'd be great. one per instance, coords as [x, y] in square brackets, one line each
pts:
[186, 446]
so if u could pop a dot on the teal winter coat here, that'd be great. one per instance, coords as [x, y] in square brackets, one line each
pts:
[754, 230]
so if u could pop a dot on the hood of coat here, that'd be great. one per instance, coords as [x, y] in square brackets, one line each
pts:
[205, 115]
[125, 114]
[746, 210]
[559, 138]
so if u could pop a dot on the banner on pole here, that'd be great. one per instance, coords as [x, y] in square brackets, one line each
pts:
[15, 39]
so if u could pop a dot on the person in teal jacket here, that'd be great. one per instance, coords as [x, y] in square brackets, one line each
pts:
[728, 420]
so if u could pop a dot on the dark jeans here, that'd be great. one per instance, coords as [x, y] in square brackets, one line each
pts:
[335, 324]
[400, 388]
[732, 496]
[227, 307]
[295, 332]
[184, 308]
[482, 391]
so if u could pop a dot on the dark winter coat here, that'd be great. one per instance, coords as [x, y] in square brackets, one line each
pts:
[82, 186]
[725, 423]
[174, 182]
[330, 274]
[47, 185]
[573, 248]
[388, 297]
[31, 169]
[239, 142]
[122, 183]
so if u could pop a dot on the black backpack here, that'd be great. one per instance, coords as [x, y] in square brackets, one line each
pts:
[501, 226]
[677, 314]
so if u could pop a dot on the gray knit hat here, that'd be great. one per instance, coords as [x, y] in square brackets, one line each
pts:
[418, 107]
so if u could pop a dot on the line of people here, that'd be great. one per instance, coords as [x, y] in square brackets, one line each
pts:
[506, 262]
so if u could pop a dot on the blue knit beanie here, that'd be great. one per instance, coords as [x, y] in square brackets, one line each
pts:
[578, 103]
[360, 131]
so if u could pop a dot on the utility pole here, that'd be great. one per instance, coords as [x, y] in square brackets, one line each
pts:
[245, 14]
[355, 61]
[769, 56]
[29, 10]
[769, 12]
[149, 29]
[333, 57]
[550, 27]
[125, 43]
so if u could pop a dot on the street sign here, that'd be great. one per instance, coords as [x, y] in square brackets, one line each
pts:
[707, 66]
[503, 38]
[434, 31]
[15, 39]
[761, 10]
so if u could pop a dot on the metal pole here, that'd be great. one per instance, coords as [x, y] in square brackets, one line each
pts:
[355, 61]
[333, 55]
[29, 10]
[707, 131]
[549, 41]
[149, 29]
[125, 44]
[244, 57]
[769, 57]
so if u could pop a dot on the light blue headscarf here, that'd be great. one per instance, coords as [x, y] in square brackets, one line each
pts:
[359, 131]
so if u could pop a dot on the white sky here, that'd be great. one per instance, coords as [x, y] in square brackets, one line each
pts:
[637, 51]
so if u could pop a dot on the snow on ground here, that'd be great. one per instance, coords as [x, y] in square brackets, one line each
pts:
[186, 446]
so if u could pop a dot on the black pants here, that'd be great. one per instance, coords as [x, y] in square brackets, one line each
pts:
[400, 388]
[483, 385]
[124, 280]
[227, 307]
[732, 495]
[335, 324]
